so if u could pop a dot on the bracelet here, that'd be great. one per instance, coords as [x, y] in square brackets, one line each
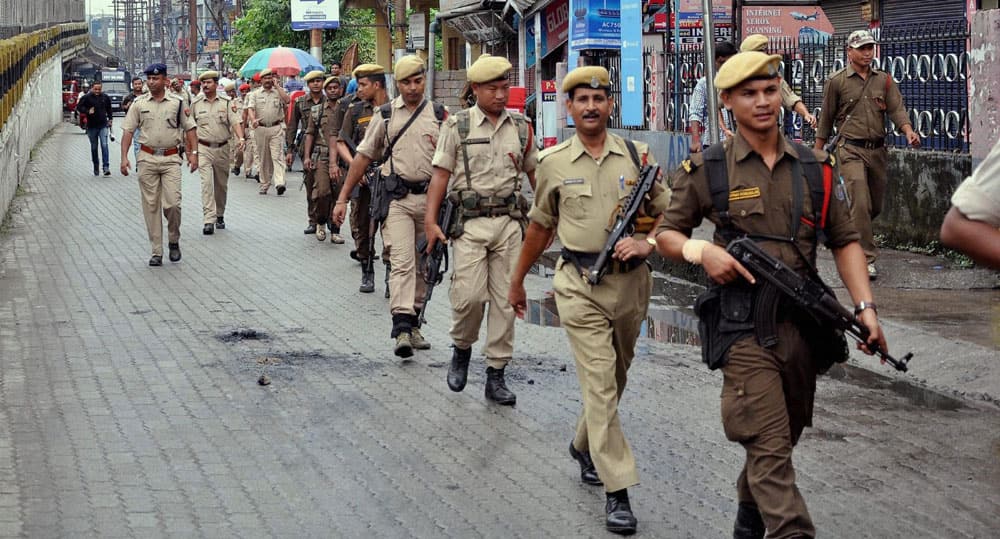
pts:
[338, 203]
[865, 305]
[692, 250]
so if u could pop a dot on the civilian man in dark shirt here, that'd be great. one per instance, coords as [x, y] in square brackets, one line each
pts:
[97, 107]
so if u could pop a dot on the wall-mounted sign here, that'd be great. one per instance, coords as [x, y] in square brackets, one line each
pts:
[595, 24]
[555, 30]
[792, 22]
[309, 14]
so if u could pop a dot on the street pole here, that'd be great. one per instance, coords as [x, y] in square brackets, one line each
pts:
[678, 121]
[193, 38]
[709, 45]
[316, 43]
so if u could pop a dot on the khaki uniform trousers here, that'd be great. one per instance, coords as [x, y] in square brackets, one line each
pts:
[323, 192]
[864, 172]
[403, 228]
[602, 323]
[360, 219]
[213, 165]
[484, 257]
[309, 180]
[160, 188]
[767, 400]
[250, 150]
[270, 142]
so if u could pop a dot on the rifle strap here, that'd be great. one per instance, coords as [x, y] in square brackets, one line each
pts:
[409, 122]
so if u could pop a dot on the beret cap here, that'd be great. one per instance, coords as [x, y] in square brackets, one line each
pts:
[408, 66]
[209, 75]
[754, 42]
[589, 76]
[315, 74]
[265, 72]
[331, 78]
[860, 38]
[489, 68]
[747, 65]
[229, 86]
[156, 69]
[367, 70]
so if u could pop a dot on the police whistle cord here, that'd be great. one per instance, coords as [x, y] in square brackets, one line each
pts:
[811, 294]
[436, 262]
[624, 224]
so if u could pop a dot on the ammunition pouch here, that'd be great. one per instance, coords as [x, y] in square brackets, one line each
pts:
[725, 315]
[398, 188]
[827, 345]
[584, 261]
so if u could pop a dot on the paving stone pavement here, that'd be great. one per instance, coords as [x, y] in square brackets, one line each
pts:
[129, 404]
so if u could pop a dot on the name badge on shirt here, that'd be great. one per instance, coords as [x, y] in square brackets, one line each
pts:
[744, 194]
[573, 181]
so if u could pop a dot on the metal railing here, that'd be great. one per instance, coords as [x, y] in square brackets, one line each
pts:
[25, 16]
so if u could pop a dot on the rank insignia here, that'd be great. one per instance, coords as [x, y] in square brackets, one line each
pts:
[688, 167]
[744, 194]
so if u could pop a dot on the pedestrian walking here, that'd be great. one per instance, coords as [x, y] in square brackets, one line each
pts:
[216, 118]
[295, 142]
[581, 186]
[698, 104]
[266, 113]
[371, 95]
[166, 128]
[96, 105]
[321, 133]
[402, 136]
[856, 100]
[482, 153]
[250, 159]
[760, 185]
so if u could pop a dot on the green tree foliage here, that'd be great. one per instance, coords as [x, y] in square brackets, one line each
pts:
[268, 23]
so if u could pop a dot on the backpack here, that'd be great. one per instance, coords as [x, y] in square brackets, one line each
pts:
[819, 178]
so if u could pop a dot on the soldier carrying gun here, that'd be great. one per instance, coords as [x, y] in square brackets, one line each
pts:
[746, 187]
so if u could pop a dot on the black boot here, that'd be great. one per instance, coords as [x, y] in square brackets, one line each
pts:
[588, 473]
[496, 388]
[749, 524]
[367, 278]
[620, 518]
[220, 223]
[458, 373]
[175, 251]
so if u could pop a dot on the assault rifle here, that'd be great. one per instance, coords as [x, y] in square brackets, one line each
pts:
[811, 294]
[625, 222]
[433, 272]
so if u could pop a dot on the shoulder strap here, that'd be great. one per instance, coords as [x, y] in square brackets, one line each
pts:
[634, 153]
[819, 178]
[462, 121]
[718, 184]
[409, 122]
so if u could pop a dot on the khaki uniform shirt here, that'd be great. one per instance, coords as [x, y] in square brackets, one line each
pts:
[183, 94]
[496, 165]
[578, 195]
[267, 106]
[356, 120]
[215, 118]
[978, 197]
[858, 106]
[340, 111]
[788, 97]
[158, 121]
[300, 115]
[760, 202]
[412, 153]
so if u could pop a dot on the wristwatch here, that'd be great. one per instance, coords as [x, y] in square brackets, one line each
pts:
[194, 152]
[651, 240]
[865, 305]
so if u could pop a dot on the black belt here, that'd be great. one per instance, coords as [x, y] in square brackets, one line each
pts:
[262, 124]
[213, 144]
[585, 261]
[866, 144]
[417, 188]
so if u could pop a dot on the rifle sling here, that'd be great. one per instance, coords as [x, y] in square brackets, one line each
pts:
[392, 143]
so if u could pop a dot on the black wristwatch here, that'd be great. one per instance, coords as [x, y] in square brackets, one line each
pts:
[865, 305]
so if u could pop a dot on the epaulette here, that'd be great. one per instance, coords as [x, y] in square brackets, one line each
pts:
[689, 166]
[553, 149]
[224, 97]
[837, 72]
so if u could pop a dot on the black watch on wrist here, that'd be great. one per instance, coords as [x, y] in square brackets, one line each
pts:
[865, 305]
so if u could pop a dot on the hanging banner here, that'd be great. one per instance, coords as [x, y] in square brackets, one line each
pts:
[596, 24]
[309, 14]
[792, 22]
[631, 79]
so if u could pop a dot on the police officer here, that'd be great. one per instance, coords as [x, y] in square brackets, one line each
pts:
[266, 114]
[581, 183]
[250, 158]
[767, 392]
[236, 149]
[371, 95]
[486, 149]
[320, 134]
[856, 100]
[339, 111]
[300, 120]
[407, 172]
[217, 119]
[789, 99]
[165, 126]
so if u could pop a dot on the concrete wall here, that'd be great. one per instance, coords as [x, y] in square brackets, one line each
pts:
[33, 116]
[920, 187]
[984, 83]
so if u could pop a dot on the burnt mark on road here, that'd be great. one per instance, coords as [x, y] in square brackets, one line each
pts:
[242, 334]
